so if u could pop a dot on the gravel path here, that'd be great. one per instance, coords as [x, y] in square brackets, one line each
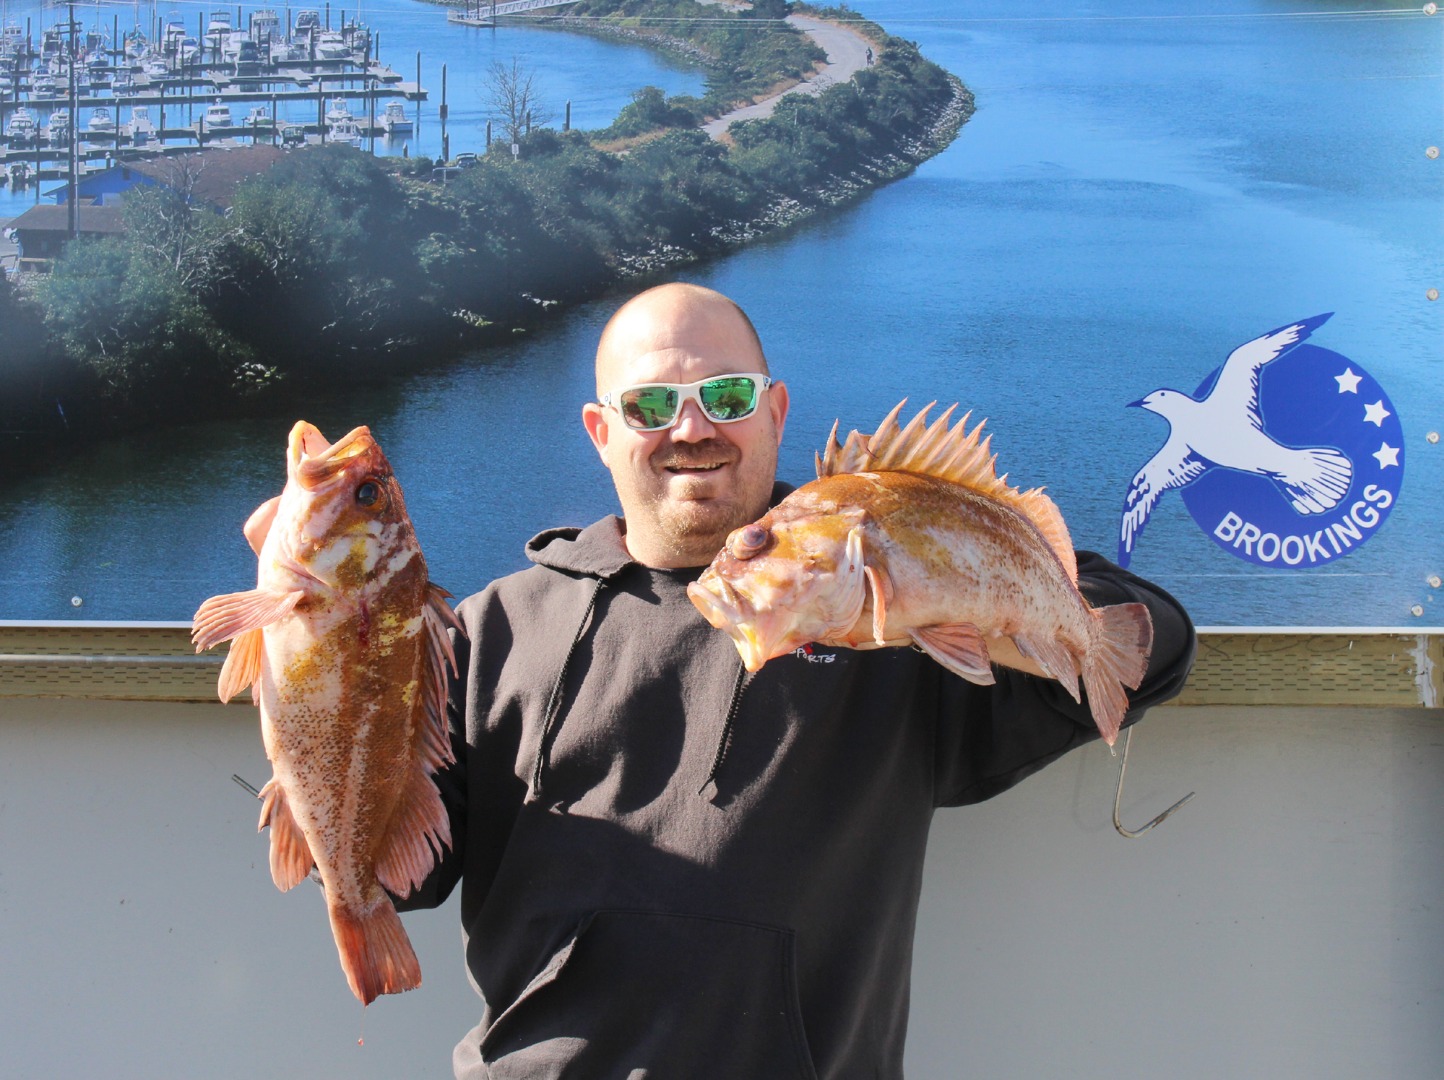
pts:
[847, 54]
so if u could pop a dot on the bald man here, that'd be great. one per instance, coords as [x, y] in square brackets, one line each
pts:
[671, 868]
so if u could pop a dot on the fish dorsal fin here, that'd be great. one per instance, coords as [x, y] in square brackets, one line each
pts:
[948, 453]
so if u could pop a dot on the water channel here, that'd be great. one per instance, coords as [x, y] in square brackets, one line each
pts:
[1136, 195]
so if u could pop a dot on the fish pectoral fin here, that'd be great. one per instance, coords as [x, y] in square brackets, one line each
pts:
[1053, 657]
[258, 525]
[223, 617]
[879, 587]
[291, 859]
[419, 832]
[243, 664]
[960, 648]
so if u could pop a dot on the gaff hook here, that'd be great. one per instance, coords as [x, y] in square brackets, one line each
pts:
[1134, 834]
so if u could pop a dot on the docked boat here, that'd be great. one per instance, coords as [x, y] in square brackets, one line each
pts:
[339, 113]
[331, 45]
[395, 120]
[346, 131]
[265, 27]
[307, 20]
[100, 122]
[22, 129]
[142, 128]
[57, 128]
[218, 29]
[217, 116]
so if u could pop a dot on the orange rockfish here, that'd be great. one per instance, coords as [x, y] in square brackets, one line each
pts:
[343, 643]
[908, 537]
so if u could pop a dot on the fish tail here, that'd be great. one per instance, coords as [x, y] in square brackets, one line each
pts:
[376, 954]
[1118, 659]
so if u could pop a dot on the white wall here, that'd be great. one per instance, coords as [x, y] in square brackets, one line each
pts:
[1289, 922]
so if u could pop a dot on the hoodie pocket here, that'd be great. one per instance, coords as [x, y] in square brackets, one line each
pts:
[656, 995]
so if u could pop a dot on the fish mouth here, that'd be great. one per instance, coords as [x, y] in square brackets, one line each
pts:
[728, 611]
[314, 461]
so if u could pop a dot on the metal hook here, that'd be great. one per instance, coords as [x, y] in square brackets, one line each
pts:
[1134, 834]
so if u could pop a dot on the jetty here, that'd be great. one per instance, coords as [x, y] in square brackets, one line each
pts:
[488, 12]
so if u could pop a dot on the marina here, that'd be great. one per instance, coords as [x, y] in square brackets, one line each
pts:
[171, 86]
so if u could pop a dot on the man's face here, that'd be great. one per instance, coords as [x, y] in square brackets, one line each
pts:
[685, 488]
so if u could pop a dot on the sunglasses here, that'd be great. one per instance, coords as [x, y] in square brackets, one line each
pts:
[724, 399]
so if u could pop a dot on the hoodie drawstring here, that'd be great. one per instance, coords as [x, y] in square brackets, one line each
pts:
[725, 742]
[554, 702]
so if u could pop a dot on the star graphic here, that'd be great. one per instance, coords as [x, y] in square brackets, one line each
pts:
[1387, 455]
[1375, 413]
[1348, 381]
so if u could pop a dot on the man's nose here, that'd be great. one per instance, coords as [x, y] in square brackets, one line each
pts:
[692, 424]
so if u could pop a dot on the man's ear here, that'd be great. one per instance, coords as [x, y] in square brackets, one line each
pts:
[777, 402]
[594, 419]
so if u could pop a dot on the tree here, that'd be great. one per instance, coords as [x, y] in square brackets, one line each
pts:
[515, 99]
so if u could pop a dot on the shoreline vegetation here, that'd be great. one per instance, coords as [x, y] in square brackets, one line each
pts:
[334, 263]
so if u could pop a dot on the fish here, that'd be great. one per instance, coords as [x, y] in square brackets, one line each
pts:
[344, 644]
[909, 537]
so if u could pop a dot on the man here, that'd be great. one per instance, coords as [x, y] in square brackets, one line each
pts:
[669, 868]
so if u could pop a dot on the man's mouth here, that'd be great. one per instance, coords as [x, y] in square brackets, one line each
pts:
[687, 470]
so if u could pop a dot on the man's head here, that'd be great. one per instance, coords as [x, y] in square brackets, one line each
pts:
[685, 487]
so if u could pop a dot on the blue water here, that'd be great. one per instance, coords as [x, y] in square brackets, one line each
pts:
[1136, 196]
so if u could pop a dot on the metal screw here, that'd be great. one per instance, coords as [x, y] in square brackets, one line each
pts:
[1430, 9]
[1431, 153]
[1432, 437]
[1434, 581]
[1417, 610]
[1431, 294]
[76, 601]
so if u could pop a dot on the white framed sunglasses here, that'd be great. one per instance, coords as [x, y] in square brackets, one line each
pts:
[723, 399]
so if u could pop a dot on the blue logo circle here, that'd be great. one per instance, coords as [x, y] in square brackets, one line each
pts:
[1335, 476]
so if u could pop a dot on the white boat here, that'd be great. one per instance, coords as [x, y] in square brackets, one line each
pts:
[100, 122]
[217, 116]
[339, 113]
[22, 129]
[330, 45]
[307, 20]
[155, 68]
[43, 84]
[265, 26]
[57, 129]
[218, 29]
[395, 120]
[347, 132]
[142, 128]
[259, 116]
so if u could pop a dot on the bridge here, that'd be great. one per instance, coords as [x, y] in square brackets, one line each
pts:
[486, 12]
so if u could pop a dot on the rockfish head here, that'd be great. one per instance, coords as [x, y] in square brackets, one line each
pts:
[341, 514]
[793, 577]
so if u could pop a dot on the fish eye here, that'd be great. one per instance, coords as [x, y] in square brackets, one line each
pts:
[748, 541]
[368, 493]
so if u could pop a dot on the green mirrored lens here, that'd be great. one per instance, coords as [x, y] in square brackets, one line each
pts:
[649, 406]
[729, 399]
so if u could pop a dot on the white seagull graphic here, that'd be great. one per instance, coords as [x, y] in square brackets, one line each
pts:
[1225, 429]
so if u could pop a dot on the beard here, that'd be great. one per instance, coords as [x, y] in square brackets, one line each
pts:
[693, 524]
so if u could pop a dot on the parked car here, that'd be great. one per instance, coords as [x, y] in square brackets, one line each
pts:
[465, 161]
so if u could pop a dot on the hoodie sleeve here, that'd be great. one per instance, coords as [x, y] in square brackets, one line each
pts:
[991, 737]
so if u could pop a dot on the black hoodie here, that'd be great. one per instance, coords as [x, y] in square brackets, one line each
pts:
[671, 869]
